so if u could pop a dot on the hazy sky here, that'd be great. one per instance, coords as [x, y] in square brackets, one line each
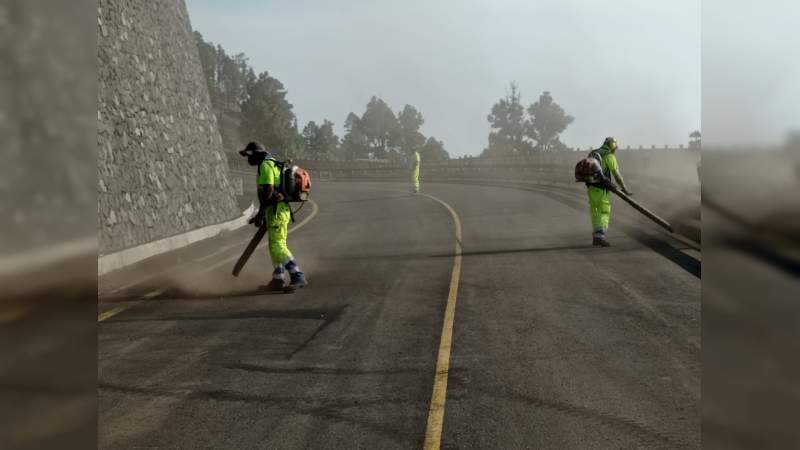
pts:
[627, 68]
[751, 71]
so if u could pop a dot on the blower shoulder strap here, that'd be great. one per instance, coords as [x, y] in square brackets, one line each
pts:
[596, 155]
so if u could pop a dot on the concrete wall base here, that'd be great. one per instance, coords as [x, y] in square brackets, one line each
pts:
[124, 258]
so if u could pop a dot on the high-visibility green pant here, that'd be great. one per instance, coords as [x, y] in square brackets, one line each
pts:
[415, 178]
[278, 218]
[600, 205]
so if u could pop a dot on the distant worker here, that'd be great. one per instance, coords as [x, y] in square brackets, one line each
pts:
[599, 196]
[277, 213]
[415, 162]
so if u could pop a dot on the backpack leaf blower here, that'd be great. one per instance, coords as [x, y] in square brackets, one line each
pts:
[589, 170]
[295, 185]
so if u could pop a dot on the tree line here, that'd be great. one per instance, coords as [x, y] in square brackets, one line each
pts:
[517, 130]
[380, 134]
[248, 106]
[252, 106]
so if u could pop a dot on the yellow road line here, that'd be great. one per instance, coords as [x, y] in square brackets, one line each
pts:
[307, 219]
[114, 311]
[433, 432]
[14, 313]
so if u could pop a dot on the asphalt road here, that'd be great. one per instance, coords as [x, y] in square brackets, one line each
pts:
[751, 337]
[555, 344]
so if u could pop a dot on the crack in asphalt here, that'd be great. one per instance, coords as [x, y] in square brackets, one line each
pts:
[317, 370]
[324, 314]
[331, 409]
[646, 433]
[329, 316]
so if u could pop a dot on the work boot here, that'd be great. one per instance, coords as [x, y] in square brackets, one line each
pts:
[298, 281]
[275, 285]
[600, 242]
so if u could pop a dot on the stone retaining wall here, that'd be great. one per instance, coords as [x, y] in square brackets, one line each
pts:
[161, 167]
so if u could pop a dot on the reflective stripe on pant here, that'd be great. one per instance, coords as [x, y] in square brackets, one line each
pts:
[278, 228]
[600, 205]
[415, 178]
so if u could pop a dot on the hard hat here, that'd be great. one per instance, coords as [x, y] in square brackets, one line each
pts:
[255, 152]
[610, 142]
[253, 147]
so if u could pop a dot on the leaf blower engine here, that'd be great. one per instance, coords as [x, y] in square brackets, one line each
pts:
[295, 183]
[589, 170]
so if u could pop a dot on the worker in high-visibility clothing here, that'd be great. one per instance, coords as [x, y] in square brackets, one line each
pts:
[277, 214]
[599, 195]
[415, 163]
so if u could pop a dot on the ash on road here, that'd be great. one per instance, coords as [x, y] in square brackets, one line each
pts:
[556, 344]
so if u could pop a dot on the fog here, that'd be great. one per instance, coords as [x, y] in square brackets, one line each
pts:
[628, 69]
[750, 72]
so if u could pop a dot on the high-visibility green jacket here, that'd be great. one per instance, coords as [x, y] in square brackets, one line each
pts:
[609, 163]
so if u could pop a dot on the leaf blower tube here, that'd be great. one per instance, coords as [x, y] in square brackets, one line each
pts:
[650, 214]
[589, 170]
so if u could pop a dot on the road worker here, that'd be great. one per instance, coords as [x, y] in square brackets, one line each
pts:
[277, 214]
[415, 163]
[599, 195]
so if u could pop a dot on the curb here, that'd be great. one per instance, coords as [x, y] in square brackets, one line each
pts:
[13, 265]
[124, 258]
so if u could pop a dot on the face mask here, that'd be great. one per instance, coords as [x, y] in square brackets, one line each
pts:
[255, 159]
